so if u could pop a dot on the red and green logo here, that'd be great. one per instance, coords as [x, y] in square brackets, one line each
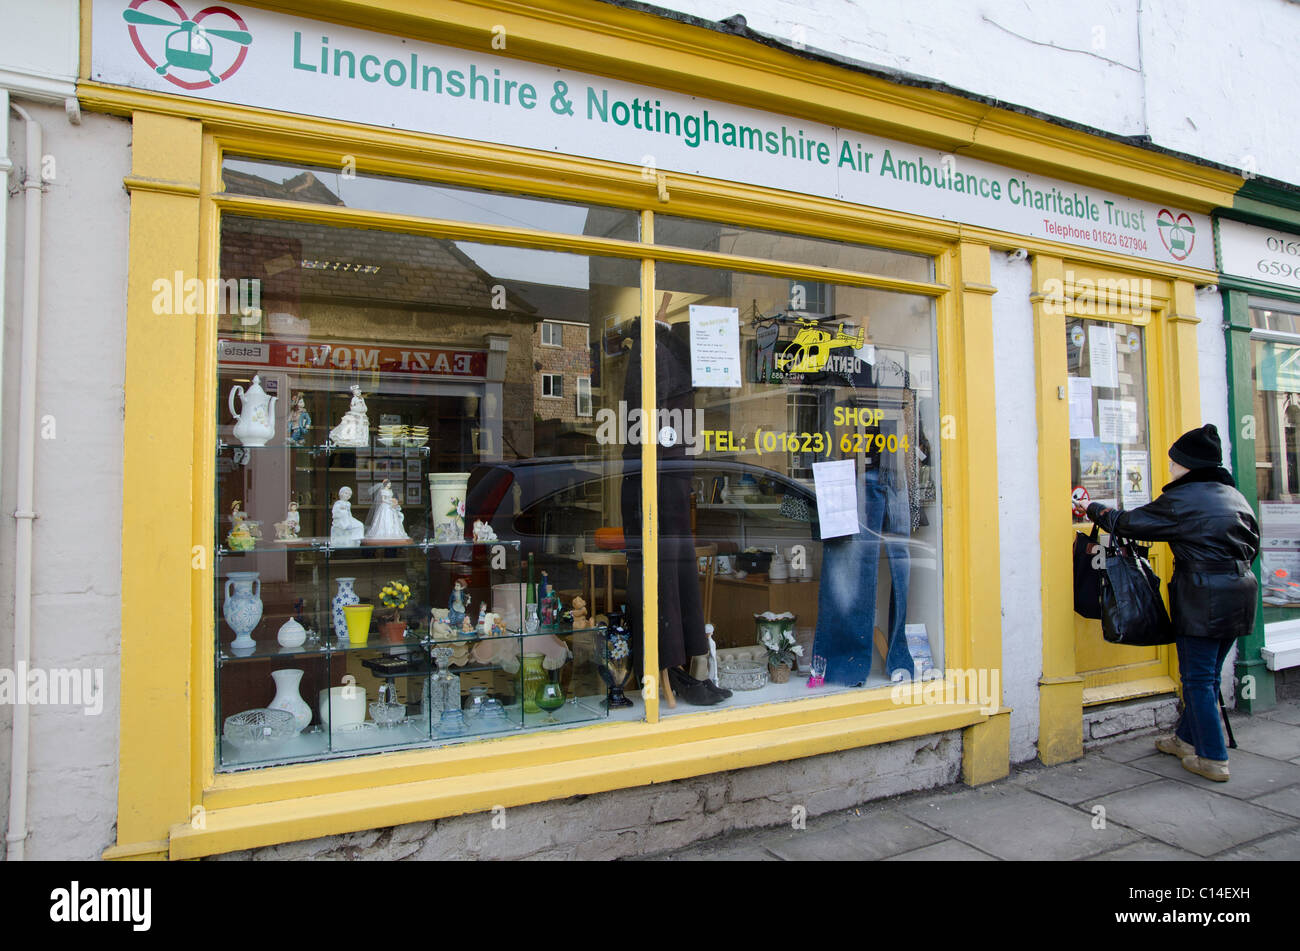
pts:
[184, 46]
[1178, 233]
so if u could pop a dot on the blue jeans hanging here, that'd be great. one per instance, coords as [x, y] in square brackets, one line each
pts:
[846, 599]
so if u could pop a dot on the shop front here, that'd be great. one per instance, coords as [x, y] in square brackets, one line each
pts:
[1258, 242]
[496, 364]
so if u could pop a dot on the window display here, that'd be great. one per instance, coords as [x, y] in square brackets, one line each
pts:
[458, 546]
[1275, 343]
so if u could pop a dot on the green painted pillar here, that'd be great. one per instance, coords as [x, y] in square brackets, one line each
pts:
[1255, 686]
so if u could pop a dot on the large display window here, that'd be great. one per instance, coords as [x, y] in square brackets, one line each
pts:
[430, 472]
[1275, 373]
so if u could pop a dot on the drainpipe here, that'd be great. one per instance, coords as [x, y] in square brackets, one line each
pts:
[24, 514]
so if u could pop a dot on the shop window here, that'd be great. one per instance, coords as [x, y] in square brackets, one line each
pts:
[552, 385]
[1110, 442]
[391, 448]
[1276, 374]
[552, 334]
[826, 409]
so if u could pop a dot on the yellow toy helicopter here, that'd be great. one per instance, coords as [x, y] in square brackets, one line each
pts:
[811, 347]
[187, 47]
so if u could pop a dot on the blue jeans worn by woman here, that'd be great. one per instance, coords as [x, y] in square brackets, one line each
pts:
[1200, 659]
[846, 599]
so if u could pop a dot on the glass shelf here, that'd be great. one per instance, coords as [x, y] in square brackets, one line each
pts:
[326, 449]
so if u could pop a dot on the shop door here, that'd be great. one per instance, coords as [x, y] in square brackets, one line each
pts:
[1111, 459]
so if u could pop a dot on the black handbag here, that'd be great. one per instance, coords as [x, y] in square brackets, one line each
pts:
[1087, 575]
[1132, 610]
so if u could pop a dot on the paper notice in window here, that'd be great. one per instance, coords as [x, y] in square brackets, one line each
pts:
[1135, 479]
[715, 346]
[837, 497]
[1117, 421]
[1101, 357]
[1081, 408]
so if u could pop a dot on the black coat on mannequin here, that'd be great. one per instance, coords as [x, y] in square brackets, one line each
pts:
[681, 607]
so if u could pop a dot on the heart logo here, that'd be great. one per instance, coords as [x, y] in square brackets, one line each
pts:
[1178, 233]
[187, 46]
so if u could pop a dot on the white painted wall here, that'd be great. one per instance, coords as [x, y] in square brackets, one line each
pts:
[1204, 77]
[77, 567]
[1015, 380]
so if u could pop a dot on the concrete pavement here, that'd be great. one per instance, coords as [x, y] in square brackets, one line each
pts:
[1122, 801]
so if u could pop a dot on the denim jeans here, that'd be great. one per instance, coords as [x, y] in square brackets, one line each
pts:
[846, 599]
[1200, 659]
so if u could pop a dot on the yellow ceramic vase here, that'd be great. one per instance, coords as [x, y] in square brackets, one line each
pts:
[357, 617]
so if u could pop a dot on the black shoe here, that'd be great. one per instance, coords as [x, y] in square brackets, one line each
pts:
[690, 690]
[722, 692]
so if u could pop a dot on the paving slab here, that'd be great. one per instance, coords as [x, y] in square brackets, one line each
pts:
[1125, 751]
[1074, 782]
[1266, 737]
[1250, 775]
[1190, 817]
[1147, 850]
[875, 835]
[1286, 713]
[949, 850]
[1284, 800]
[1274, 848]
[1010, 822]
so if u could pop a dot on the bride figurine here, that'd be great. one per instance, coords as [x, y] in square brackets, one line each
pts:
[386, 521]
[353, 430]
[345, 531]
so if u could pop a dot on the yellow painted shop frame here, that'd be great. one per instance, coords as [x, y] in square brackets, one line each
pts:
[171, 802]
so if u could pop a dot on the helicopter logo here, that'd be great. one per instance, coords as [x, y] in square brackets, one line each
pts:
[189, 46]
[810, 350]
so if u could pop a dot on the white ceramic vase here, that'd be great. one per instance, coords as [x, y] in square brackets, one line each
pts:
[291, 634]
[287, 697]
[344, 596]
[243, 606]
[447, 505]
[255, 421]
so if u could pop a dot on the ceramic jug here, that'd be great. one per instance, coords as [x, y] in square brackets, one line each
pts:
[255, 421]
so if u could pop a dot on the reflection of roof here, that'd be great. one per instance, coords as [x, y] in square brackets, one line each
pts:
[302, 187]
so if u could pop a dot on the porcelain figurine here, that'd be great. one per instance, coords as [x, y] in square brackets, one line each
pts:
[483, 532]
[354, 429]
[241, 533]
[299, 422]
[466, 625]
[481, 626]
[456, 606]
[255, 420]
[345, 531]
[386, 520]
[287, 531]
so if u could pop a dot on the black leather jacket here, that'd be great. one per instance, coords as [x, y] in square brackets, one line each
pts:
[1214, 537]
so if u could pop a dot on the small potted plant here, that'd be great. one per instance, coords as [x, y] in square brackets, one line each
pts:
[394, 597]
[782, 650]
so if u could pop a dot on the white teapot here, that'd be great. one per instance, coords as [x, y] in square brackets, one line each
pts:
[255, 423]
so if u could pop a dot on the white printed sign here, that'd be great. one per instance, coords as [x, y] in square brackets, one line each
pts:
[253, 57]
[715, 346]
[1260, 254]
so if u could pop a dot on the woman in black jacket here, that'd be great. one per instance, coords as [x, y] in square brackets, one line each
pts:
[1214, 537]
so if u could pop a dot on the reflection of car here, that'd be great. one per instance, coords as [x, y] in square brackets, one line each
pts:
[548, 503]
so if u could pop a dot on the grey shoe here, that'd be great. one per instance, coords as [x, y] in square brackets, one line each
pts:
[1172, 745]
[1212, 769]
